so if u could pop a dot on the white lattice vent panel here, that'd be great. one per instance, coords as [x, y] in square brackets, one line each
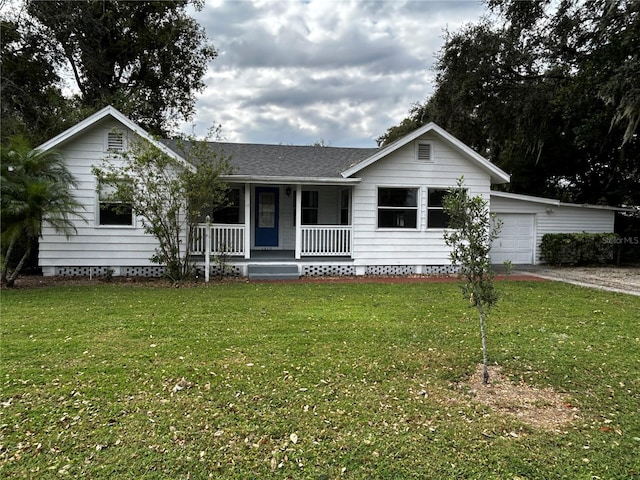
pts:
[328, 270]
[81, 271]
[439, 269]
[153, 271]
[391, 270]
[228, 271]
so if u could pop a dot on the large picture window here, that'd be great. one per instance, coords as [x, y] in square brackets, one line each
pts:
[111, 211]
[397, 207]
[436, 217]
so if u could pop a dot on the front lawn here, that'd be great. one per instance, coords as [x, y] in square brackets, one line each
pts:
[318, 381]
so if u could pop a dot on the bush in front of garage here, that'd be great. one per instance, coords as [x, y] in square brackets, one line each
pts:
[579, 248]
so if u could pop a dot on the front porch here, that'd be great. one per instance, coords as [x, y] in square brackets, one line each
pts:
[231, 241]
[275, 265]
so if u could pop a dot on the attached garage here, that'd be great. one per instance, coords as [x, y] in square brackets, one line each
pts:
[526, 219]
[516, 241]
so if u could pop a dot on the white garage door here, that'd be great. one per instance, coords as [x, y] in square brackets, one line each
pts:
[515, 242]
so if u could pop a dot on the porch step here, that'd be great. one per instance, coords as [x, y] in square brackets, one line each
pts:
[272, 272]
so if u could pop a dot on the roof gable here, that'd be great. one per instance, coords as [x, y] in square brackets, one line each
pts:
[112, 112]
[497, 174]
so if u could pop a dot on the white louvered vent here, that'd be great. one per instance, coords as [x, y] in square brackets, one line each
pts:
[424, 153]
[115, 141]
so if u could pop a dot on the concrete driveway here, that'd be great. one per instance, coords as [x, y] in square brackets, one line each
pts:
[615, 279]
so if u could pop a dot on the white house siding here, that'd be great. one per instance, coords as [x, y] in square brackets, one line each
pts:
[564, 219]
[409, 247]
[556, 218]
[93, 246]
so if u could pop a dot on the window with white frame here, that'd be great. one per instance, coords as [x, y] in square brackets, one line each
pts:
[230, 213]
[397, 207]
[310, 208]
[111, 211]
[345, 207]
[436, 216]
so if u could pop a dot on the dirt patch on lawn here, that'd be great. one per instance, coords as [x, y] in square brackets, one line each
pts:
[541, 408]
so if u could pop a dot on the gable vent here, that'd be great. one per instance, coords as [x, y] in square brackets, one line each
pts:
[115, 141]
[424, 152]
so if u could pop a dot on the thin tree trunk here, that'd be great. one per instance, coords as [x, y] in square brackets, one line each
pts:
[5, 267]
[12, 278]
[485, 368]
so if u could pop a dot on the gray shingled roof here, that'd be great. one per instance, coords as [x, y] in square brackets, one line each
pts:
[286, 160]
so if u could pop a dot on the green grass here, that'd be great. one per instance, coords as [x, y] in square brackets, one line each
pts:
[310, 381]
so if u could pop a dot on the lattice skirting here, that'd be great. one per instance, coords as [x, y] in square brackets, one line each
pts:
[320, 270]
[148, 271]
[390, 270]
[328, 270]
[218, 271]
[439, 269]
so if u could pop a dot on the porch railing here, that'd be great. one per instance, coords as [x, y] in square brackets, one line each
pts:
[226, 239]
[326, 240]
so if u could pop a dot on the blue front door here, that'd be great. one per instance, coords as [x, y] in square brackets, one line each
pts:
[266, 233]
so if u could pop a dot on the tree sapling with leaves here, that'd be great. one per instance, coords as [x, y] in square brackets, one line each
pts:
[170, 195]
[472, 232]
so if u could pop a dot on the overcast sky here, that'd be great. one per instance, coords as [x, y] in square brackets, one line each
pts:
[299, 72]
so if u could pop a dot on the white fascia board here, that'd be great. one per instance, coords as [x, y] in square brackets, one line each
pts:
[289, 180]
[117, 115]
[496, 173]
[557, 203]
[596, 207]
[525, 198]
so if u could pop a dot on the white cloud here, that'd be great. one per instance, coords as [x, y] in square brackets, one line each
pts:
[295, 72]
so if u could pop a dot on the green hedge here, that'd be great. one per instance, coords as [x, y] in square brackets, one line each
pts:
[578, 248]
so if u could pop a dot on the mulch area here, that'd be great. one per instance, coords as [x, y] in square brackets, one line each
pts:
[36, 281]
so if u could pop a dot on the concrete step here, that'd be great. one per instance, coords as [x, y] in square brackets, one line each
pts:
[272, 272]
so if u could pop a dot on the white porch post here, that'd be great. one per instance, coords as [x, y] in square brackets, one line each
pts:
[247, 220]
[298, 221]
[207, 250]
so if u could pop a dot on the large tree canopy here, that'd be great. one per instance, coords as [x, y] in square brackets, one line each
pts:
[147, 58]
[31, 100]
[549, 93]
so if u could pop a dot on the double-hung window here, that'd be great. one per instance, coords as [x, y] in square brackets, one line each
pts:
[111, 210]
[397, 207]
[310, 208]
[436, 216]
[230, 213]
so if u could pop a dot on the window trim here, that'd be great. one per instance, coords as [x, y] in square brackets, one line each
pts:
[430, 208]
[349, 197]
[230, 206]
[417, 208]
[311, 208]
[97, 223]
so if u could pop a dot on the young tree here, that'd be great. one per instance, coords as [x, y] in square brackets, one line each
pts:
[35, 189]
[472, 232]
[169, 195]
